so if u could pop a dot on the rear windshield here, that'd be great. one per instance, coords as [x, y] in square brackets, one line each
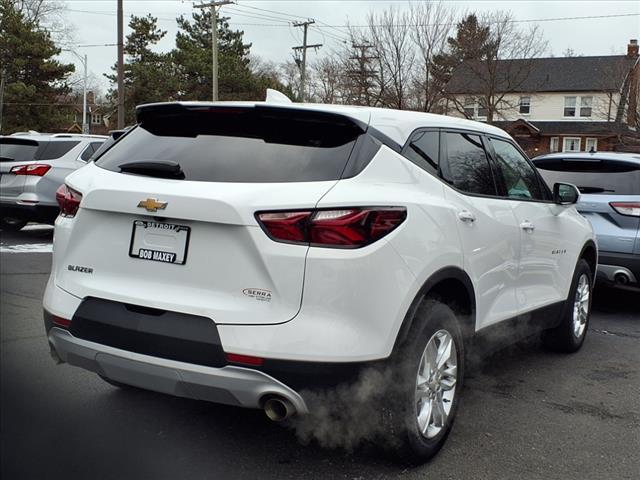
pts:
[240, 144]
[26, 150]
[17, 150]
[607, 177]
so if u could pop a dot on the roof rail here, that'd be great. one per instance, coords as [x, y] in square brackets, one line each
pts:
[30, 132]
[70, 135]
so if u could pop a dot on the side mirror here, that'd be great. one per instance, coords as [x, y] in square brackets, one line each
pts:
[565, 194]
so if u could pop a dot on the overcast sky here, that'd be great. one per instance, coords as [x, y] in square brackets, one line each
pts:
[94, 22]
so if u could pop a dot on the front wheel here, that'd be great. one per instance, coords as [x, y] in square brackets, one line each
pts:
[569, 336]
[12, 224]
[429, 372]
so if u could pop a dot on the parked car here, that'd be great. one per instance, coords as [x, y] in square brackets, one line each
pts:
[610, 187]
[32, 167]
[242, 253]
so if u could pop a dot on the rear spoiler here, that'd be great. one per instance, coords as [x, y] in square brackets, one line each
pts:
[155, 111]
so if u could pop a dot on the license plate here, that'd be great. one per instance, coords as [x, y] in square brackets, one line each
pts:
[159, 242]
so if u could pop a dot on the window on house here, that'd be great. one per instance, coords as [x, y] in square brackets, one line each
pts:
[525, 105]
[470, 107]
[591, 145]
[96, 118]
[570, 106]
[482, 109]
[585, 106]
[554, 144]
[571, 144]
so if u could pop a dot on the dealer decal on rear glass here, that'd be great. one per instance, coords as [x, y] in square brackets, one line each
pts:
[258, 293]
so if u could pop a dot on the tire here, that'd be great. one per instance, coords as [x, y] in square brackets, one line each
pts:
[569, 335]
[416, 437]
[12, 224]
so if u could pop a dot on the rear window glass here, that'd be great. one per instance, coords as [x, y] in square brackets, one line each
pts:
[17, 150]
[55, 149]
[613, 177]
[241, 144]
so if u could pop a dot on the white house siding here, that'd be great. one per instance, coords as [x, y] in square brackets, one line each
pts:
[550, 106]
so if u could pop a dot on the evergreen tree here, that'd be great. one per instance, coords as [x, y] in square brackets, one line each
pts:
[34, 81]
[148, 76]
[193, 60]
[472, 42]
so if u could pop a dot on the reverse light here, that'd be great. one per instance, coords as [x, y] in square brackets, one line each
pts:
[68, 200]
[34, 169]
[338, 228]
[244, 359]
[631, 209]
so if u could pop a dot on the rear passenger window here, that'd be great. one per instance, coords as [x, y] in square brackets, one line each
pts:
[423, 151]
[53, 150]
[90, 150]
[468, 166]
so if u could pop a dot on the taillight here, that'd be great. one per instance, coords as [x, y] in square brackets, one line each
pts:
[344, 227]
[244, 359]
[631, 209]
[60, 322]
[35, 169]
[68, 200]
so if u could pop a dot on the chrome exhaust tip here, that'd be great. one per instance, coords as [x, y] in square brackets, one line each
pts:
[278, 409]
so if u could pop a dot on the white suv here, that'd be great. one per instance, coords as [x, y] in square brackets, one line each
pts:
[243, 253]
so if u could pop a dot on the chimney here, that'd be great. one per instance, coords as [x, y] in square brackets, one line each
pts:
[632, 48]
[91, 99]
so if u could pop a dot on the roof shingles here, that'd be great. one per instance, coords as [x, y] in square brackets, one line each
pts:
[556, 74]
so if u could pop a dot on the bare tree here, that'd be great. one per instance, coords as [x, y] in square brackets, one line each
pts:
[50, 15]
[390, 34]
[431, 24]
[327, 80]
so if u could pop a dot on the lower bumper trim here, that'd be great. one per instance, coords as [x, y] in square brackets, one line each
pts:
[228, 385]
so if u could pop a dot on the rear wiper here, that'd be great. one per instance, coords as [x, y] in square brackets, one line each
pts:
[594, 190]
[154, 168]
[6, 159]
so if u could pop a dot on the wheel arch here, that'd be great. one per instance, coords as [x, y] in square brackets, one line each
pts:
[589, 253]
[451, 285]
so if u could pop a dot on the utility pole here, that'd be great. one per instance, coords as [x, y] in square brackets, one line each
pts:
[3, 73]
[120, 66]
[362, 74]
[85, 124]
[214, 43]
[304, 47]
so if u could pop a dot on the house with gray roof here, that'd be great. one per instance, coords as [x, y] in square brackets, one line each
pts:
[554, 104]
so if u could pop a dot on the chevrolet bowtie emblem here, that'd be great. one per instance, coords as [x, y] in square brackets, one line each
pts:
[152, 205]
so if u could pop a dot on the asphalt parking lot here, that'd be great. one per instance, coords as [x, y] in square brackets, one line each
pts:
[525, 413]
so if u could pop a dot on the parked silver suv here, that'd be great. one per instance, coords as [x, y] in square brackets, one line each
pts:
[32, 167]
[609, 184]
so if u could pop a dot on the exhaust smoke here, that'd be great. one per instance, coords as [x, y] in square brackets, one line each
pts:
[347, 415]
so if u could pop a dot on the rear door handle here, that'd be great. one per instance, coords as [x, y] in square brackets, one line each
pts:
[466, 216]
[527, 226]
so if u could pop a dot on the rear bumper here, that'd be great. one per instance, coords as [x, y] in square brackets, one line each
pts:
[32, 213]
[610, 264]
[230, 385]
